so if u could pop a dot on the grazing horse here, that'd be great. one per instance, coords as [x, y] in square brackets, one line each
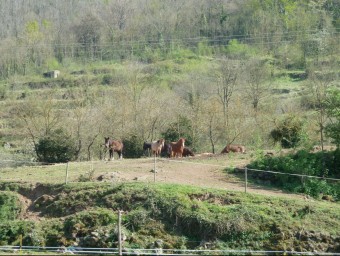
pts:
[187, 152]
[114, 146]
[177, 148]
[234, 148]
[156, 147]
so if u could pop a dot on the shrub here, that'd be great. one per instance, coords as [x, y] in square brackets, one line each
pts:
[133, 147]
[321, 164]
[9, 206]
[288, 132]
[56, 148]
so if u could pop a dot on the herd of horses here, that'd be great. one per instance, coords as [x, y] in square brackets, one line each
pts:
[161, 148]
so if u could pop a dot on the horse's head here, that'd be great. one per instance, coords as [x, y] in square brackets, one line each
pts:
[181, 141]
[162, 141]
[107, 142]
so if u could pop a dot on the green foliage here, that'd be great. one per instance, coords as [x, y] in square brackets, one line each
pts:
[10, 232]
[58, 147]
[181, 216]
[52, 63]
[90, 219]
[332, 106]
[321, 164]
[180, 129]
[9, 206]
[237, 49]
[133, 147]
[288, 132]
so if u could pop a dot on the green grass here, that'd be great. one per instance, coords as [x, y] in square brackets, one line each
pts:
[181, 216]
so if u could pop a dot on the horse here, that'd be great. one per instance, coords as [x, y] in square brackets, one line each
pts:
[233, 148]
[147, 148]
[156, 147]
[187, 152]
[166, 150]
[114, 146]
[177, 148]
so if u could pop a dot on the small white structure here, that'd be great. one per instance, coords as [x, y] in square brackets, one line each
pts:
[52, 74]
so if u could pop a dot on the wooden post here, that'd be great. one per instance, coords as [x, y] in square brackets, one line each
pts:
[120, 233]
[20, 241]
[66, 177]
[154, 168]
[246, 179]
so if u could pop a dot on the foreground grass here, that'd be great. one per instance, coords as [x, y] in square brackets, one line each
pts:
[182, 217]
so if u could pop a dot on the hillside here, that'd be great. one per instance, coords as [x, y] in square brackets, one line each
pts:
[181, 217]
[192, 203]
[213, 72]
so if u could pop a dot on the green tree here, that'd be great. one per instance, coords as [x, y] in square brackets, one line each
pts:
[332, 107]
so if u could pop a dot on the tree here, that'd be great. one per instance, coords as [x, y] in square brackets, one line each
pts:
[332, 108]
[226, 78]
[88, 34]
[38, 117]
[320, 79]
[256, 81]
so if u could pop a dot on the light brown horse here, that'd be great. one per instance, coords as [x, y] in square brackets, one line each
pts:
[114, 146]
[234, 148]
[156, 147]
[177, 148]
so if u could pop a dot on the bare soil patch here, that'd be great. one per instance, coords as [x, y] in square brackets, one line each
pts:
[206, 171]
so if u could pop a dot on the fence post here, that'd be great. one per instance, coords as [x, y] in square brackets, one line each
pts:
[20, 242]
[66, 177]
[119, 233]
[246, 179]
[154, 168]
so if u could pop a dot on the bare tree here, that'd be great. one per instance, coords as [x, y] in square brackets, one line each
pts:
[256, 78]
[318, 83]
[226, 78]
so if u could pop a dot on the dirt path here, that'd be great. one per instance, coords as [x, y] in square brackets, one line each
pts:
[209, 173]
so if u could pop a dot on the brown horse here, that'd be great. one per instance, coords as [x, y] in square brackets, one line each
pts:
[233, 148]
[187, 152]
[114, 146]
[177, 148]
[156, 147]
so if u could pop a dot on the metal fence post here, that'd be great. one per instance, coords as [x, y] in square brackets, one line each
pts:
[120, 252]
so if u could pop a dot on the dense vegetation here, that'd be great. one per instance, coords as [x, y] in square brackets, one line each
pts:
[181, 217]
[323, 165]
[260, 73]
[206, 70]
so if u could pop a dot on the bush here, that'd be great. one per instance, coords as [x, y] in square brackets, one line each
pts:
[9, 206]
[321, 164]
[288, 132]
[133, 147]
[56, 148]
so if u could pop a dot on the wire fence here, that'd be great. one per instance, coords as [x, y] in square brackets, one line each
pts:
[71, 172]
[85, 171]
[144, 169]
[155, 251]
